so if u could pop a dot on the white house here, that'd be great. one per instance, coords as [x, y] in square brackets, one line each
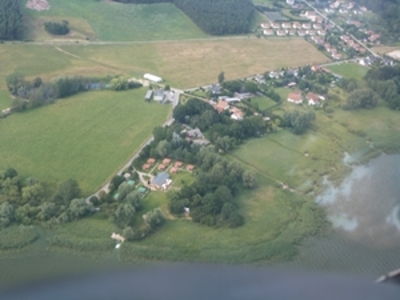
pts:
[153, 78]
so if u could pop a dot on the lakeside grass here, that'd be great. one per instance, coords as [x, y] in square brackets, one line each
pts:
[349, 70]
[139, 22]
[85, 137]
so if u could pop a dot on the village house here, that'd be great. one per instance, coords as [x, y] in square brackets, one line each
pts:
[221, 106]
[151, 161]
[195, 136]
[281, 32]
[295, 97]
[166, 161]
[286, 25]
[317, 26]
[306, 25]
[268, 32]
[214, 89]
[292, 31]
[275, 25]
[297, 25]
[265, 25]
[178, 164]
[161, 167]
[313, 99]
[311, 32]
[161, 181]
[236, 114]
[227, 99]
[311, 15]
[190, 168]
[301, 33]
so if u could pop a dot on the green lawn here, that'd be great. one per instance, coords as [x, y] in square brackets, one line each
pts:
[112, 21]
[5, 100]
[349, 70]
[263, 102]
[86, 137]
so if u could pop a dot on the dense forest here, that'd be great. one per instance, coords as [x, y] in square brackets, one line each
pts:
[11, 21]
[217, 17]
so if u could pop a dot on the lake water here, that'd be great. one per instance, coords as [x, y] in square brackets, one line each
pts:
[364, 211]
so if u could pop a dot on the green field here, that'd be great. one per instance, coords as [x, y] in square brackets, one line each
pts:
[349, 70]
[110, 21]
[263, 102]
[85, 137]
[5, 100]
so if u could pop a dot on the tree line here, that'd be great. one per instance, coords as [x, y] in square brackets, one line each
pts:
[11, 20]
[216, 17]
[35, 93]
[57, 28]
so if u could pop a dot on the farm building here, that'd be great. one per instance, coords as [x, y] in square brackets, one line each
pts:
[153, 78]
[159, 95]
[148, 96]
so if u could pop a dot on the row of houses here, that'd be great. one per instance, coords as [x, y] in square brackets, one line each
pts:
[312, 99]
[350, 42]
[293, 32]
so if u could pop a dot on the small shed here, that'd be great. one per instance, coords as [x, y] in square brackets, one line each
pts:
[142, 190]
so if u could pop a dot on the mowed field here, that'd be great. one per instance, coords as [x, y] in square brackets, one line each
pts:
[85, 137]
[193, 63]
[111, 21]
[349, 70]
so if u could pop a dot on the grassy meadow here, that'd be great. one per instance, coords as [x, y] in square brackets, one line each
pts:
[192, 63]
[349, 70]
[85, 137]
[97, 20]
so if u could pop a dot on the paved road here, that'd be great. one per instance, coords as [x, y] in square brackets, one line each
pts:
[169, 121]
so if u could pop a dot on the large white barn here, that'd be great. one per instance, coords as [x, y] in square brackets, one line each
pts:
[153, 78]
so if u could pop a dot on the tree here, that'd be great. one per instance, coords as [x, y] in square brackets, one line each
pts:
[6, 214]
[57, 28]
[14, 81]
[32, 194]
[79, 208]
[124, 189]
[11, 20]
[47, 210]
[362, 98]
[163, 148]
[249, 179]
[68, 190]
[10, 173]
[124, 215]
[119, 84]
[221, 77]
[224, 143]
[251, 87]
[128, 233]
[154, 218]
[135, 199]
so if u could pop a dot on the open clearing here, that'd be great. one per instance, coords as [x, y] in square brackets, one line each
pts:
[85, 137]
[135, 22]
[349, 70]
